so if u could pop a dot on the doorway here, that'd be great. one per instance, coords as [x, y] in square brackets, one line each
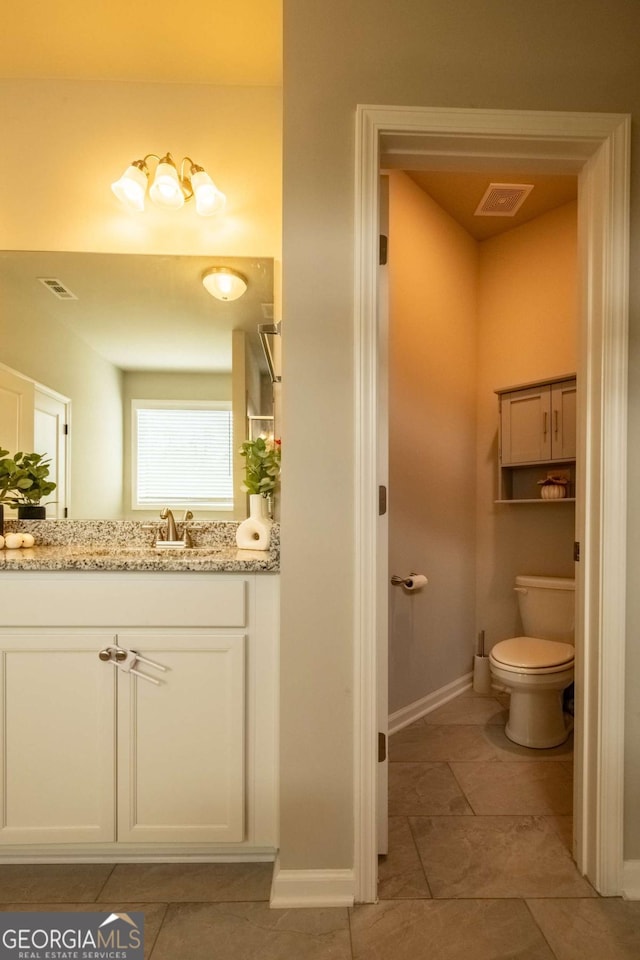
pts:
[476, 305]
[596, 148]
[33, 417]
[51, 433]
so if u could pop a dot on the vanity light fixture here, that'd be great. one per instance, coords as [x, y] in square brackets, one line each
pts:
[223, 283]
[168, 187]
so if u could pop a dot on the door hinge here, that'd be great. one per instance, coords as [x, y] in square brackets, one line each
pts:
[576, 551]
[382, 501]
[384, 250]
[382, 747]
[65, 429]
[66, 512]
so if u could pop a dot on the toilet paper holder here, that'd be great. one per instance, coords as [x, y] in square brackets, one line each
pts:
[408, 582]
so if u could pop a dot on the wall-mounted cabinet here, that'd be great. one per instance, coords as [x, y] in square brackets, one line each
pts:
[537, 438]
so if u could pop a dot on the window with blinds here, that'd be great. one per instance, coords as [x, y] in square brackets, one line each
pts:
[182, 454]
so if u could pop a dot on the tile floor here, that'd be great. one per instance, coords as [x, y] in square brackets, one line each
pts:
[478, 866]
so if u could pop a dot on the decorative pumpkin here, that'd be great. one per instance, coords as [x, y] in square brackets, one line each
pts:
[553, 488]
[553, 491]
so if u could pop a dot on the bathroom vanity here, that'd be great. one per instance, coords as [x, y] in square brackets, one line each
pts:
[175, 760]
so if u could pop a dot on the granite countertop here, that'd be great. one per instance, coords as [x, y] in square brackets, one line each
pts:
[125, 545]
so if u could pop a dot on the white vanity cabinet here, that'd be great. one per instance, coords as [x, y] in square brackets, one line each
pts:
[97, 760]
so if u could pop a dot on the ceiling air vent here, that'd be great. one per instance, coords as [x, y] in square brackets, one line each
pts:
[57, 288]
[503, 199]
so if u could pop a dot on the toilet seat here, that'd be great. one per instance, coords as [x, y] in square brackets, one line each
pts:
[532, 655]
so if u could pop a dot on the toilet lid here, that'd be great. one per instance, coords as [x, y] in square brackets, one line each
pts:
[532, 652]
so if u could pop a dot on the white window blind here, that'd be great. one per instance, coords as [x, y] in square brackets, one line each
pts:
[182, 454]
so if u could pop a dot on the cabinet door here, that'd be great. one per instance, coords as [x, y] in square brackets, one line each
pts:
[58, 739]
[181, 755]
[526, 425]
[563, 420]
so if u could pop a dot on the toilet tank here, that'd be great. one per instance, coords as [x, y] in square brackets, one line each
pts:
[547, 607]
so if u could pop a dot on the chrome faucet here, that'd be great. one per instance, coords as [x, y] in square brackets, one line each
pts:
[171, 537]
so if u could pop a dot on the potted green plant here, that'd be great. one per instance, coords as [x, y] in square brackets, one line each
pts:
[261, 474]
[262, 465]
[24, 483]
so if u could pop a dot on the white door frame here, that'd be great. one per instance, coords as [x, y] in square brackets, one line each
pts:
[596, 147]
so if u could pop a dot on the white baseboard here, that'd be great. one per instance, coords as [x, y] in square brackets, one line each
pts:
[419, 708]
[311, 888]
[631, 879]
[133, 853]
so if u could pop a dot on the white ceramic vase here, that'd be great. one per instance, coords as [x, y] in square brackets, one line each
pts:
[254, 533]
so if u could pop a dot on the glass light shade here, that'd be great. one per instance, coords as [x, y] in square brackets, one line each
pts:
[223, 283]
[165, 189]
[209, 200]
[131, 188]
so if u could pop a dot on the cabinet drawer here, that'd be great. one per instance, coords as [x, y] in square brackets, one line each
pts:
[114, 600]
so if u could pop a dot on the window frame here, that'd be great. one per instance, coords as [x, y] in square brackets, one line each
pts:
[225, 505]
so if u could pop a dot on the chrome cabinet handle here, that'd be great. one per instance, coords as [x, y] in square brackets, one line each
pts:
[545, 420]
[555, 423]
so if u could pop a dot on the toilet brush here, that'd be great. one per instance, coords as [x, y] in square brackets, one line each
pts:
[481, 671]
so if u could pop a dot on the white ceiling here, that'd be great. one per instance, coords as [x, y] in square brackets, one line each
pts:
[140, 312]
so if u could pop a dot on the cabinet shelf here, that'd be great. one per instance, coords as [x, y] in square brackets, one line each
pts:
[538, 500]
[522, 483]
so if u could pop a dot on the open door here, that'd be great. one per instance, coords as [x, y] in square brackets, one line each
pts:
[16, 411]
[50, 437]
[34, 419]
[383, 528]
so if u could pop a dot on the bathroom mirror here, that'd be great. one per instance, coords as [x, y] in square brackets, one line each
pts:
[105, 329]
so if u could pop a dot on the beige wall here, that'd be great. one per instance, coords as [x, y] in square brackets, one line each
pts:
[433, 279]
[55, 357]
[527, 330]
[70, 139]
[441, 53]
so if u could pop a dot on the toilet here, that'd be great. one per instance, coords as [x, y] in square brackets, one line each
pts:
[538, 667]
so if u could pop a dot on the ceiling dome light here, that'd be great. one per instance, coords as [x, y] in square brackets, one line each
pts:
[223, 283]
[132, 186]
[166, 190]
[209, 200]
